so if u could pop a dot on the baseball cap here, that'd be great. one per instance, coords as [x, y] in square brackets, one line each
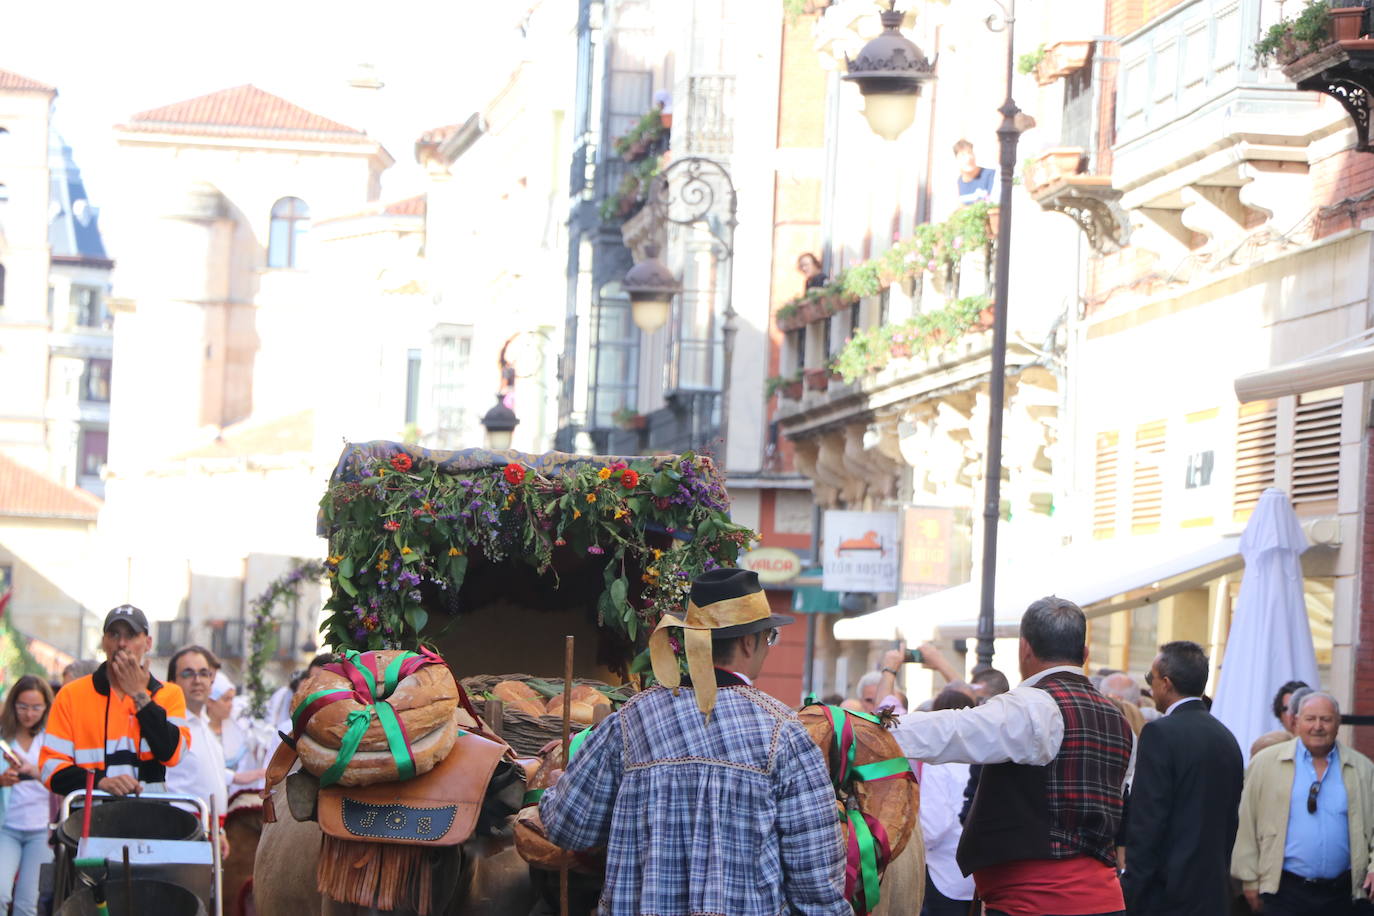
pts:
[130, 615]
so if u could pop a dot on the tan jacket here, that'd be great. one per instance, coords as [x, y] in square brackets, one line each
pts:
[1257, 860]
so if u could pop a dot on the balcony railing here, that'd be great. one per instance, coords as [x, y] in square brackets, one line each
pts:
[710, 116]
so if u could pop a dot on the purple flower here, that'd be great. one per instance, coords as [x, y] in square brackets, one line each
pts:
[595, 550]
[367, 472]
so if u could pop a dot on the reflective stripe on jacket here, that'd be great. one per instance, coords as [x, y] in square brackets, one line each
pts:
[92, 728]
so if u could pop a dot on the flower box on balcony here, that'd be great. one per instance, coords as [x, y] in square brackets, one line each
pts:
[1052, 166]
[817, 379]
[792, 391]
[1060, 59]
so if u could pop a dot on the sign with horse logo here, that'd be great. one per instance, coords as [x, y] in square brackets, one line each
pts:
[860, 553]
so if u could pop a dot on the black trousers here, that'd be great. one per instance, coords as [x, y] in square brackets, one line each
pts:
[937, 904]
[1297, 897]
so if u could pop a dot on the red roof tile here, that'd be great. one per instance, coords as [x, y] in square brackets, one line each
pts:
[242, 111]
[411, 206]
[10, 80]
[26, 492]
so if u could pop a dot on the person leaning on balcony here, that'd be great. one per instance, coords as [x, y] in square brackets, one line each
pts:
[1307, 820]
[810, 267]
[975, 182]
[120, 723]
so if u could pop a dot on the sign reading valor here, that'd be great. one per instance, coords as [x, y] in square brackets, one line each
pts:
[774, 565]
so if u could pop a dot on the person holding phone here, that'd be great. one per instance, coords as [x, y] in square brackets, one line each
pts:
[24, 835]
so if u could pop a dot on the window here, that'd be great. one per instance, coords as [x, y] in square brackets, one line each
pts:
[95, 381]
[87, 308]
[796, 350]
[615, 345]
[1147, 480]
[286, 236]
[1256, 438]
[452, 360]
[95, 450]
[1105, 484]
[412, 386]
[1316, 448]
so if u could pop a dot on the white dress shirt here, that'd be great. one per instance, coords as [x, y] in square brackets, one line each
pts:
[1023, 725]
[942, 797]
[201, 771]
[1177, 703]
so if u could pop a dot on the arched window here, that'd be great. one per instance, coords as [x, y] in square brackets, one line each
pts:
[290, 223]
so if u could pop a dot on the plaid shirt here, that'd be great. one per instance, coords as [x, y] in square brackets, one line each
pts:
[732, 818]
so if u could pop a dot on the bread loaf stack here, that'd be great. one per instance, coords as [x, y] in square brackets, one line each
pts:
[425, 702]
[522, 697]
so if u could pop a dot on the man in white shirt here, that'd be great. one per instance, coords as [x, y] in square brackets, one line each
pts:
[1040, 837]
[201, 771]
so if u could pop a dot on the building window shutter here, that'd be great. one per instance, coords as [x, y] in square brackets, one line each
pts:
[1317, 451]
[1105, 469]
[1256, 439]
[1147, 479]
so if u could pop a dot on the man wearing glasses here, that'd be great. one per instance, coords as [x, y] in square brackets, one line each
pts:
[1307, 820]
[1181, 822]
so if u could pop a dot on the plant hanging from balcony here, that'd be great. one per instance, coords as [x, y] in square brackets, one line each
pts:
[400, 527]
[633, 191]
[870, 350]
[1289, 39]
[262, 640]
[638, 140]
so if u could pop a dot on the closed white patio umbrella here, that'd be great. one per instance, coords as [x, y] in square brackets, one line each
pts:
[1271, 640]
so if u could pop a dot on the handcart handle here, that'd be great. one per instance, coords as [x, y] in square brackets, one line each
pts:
[199, 803]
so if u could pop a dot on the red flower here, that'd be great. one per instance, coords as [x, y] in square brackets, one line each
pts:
[402, 462]
[515, 474]
[629, 479]
[392, 525]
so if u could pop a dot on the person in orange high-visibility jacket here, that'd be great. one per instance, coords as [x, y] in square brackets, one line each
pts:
[121, 723]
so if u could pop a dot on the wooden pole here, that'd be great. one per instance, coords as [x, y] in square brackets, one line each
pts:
[567, 740]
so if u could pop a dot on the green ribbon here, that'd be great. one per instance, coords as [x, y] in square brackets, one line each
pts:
[868, 860]
[532, 796]
[881, 769]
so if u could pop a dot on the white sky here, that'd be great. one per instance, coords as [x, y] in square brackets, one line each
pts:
[108, 59]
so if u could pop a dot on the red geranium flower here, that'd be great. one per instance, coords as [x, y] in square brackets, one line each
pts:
[392, 525]
[514, 473]
[402, 462]
[629, 479]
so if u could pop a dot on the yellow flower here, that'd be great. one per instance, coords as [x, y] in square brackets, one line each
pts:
[621, 513]
[380, 567]
[454, 552]
[604, 473]
[386, 555]
[591, 497]
[652, 570]
[577, 513]
[657, 553]
[405, 550]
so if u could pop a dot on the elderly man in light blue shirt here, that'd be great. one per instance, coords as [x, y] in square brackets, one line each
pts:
[1307, 820]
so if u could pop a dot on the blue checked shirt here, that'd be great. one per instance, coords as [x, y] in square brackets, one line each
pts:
[732, 818]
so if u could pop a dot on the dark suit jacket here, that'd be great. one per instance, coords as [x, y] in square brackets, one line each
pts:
[1184, 811]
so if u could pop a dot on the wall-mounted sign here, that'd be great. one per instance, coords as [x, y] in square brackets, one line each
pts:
[927, 542]
[860, 552]
[774, 565]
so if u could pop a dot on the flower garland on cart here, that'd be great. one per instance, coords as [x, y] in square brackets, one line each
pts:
[262, 638]
[400, 519]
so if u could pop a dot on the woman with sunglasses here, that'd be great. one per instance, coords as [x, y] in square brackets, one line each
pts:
[24, 835]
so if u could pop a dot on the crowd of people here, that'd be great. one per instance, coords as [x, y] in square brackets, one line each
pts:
[1067, 795]
[188, 734]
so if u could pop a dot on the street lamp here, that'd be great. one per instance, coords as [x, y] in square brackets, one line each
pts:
[651, 287]
[906, 64]
[889, 72]
[500, 422]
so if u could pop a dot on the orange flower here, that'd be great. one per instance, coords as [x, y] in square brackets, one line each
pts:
[591, 497]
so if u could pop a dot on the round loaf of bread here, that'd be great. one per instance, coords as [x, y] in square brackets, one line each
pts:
[423, 701]
[373, 766]
[514, 691]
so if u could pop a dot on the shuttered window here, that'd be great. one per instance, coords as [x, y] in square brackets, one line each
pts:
[1256, 439]
[1105, 473]
[1147, 479]
[1317, 449]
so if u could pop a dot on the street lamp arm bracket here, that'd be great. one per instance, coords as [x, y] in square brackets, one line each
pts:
[691, 191]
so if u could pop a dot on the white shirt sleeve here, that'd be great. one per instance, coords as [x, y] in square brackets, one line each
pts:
[1021, 726]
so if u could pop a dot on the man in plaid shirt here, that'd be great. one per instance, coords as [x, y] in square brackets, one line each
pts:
[711, 799]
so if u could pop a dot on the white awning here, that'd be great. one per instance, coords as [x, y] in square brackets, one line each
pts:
[1342, 363]
[1102, 578]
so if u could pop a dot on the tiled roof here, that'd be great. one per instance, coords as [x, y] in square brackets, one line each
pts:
[12, 81]
[26, 492]
[242, 111]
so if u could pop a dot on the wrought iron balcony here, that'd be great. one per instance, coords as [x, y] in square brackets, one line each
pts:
[709, 128]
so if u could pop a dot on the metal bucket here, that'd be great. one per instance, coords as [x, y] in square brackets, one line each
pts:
[133, 819]
[150, 897]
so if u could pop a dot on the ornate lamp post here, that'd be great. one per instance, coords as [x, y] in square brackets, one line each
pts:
[500, 423]
[889, 71]
[689, 192]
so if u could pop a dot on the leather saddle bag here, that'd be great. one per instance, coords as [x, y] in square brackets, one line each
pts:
[439, 808]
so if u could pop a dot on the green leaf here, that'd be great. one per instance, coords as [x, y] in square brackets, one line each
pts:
[347, 586]
[662, 485]
[458, 569]
[346, 567]
[412, 557]
[620, 594]
[632, 624]
[641, 663]
[417, 617]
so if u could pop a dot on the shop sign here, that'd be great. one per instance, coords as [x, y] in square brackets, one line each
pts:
[927, 540]
[860, 552]
[774, 565]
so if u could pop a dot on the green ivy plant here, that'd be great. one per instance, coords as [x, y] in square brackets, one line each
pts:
[1289, 39]
[262, 639]
[648, 127]
[776, 383]
[872, 349]
[634, 185]
[400, 522]
[1026, 63]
